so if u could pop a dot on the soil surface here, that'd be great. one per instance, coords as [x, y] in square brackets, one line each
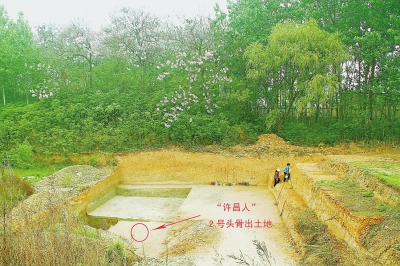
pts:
[201, 240]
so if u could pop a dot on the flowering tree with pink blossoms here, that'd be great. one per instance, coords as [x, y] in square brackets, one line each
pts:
[205, 83]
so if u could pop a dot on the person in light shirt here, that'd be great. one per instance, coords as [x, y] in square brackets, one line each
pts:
[286, 173]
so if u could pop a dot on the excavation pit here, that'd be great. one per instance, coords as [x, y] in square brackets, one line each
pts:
[133, 211]
[193, 216]
[141, 203]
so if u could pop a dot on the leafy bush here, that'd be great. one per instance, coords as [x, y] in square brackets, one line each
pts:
[272, 120]
[300, 134]
[22, 156]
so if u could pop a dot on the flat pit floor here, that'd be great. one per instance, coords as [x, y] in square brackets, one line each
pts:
[226, 221]
[140, 208]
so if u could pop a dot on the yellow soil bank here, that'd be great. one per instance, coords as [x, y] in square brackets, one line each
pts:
[195, 168]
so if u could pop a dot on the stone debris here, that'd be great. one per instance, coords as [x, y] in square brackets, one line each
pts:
[76, 177]
[56, 189]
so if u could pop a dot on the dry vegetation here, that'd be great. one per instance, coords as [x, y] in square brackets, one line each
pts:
[199, 234]
[41, 230]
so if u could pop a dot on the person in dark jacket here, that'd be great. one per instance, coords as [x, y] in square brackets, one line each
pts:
[276, 177]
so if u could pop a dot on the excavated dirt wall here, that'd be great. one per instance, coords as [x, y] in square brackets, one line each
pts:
[343, 223]
[193, 168]
[290, 205]
[95, 196]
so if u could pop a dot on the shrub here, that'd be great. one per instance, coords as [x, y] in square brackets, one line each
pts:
[22, 156]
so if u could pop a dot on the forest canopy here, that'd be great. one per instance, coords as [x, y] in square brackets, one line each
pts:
[310, 71]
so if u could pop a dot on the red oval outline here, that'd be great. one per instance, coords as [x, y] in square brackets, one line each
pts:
[148, 232]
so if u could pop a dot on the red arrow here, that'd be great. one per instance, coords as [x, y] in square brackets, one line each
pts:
[165, 225]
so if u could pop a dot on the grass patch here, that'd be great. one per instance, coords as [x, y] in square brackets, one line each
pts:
[367, 194]
[39, 170]
[87, 232]
[388, 172]
[354, 197]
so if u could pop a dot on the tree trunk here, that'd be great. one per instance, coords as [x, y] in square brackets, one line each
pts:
[287, 111]
[339, 100]
[371, 92]
[4, 97]
[90, 71]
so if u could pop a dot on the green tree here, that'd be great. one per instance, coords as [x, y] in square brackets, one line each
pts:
[47, 41]
[294, 56]
[17, 50]
[5, 50]
[193, 79]
[249, 21]
[370, 31]
[135, 38]
[78, 47]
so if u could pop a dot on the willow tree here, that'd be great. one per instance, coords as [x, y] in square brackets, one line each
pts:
[295, 55]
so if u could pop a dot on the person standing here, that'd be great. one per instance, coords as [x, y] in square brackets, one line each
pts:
[286, 172]
[276, 177]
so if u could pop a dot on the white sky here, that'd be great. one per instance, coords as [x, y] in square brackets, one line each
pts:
[97, 12]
